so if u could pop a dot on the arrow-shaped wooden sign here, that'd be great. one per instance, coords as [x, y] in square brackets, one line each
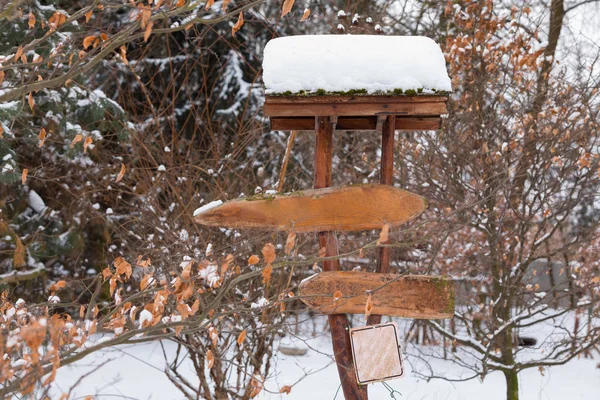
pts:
[350, 208]
[410, 296]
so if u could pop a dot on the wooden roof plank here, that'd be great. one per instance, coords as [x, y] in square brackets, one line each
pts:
[354, 109]
[365, 123]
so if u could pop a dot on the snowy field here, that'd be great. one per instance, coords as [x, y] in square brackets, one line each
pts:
[136, 372]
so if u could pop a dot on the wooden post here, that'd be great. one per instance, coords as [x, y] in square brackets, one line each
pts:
[340, 335]
[387, 178]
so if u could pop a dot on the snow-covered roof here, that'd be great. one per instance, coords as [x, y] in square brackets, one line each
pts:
[354, 63]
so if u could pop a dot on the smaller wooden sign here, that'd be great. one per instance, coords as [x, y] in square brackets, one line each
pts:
[377, 353]
[350, 208]
[410, 296]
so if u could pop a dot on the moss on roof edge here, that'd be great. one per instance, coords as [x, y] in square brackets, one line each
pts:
[362, 92]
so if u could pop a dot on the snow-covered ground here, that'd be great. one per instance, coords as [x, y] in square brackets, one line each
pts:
[136, 372]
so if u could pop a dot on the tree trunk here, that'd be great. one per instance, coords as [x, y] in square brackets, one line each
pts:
[512, 385]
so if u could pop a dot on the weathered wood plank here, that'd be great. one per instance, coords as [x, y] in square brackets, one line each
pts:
[357, 123]
[386, 178]
[349, 208]
[411, 296]
[333, 99]
[338, 323]
[354, 109]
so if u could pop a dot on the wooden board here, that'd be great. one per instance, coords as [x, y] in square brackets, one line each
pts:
[357, 123]
[386, 178]
[338, 323]
[350, 208]
[376, 352]
[412, 296]
[314, 106]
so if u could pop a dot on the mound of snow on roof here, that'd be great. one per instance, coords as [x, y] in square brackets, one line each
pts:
[340, 63]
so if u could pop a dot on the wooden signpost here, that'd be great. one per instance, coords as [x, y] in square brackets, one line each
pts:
[365, 207]
[410, 296]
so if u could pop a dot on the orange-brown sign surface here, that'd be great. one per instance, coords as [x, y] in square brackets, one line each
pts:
[410, 296]
[350, 208]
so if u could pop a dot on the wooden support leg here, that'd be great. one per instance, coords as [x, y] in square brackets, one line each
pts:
[387, 178]
[338, 323]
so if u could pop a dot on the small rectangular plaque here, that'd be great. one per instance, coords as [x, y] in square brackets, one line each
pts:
[377, 353]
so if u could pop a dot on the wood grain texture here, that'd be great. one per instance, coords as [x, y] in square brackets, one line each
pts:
[349, 208]
[299, 110]
[338, 323]
[367, 123]
[411, 296]
[386, 178]
[314, 106]
[356, 99]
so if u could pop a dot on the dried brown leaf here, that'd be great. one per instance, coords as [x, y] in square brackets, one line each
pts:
[266, 273]
[19, 53]
[78, 138]
[253, 259]
[268, 253]
[42, 137]
[195, 306]
[241, 337]
[322, 252]
[145, 17]
[225, 265]
[122, 267]
[238, 24]
[209, 4]
[106, 273]
[148, 31]
[112, 285]
[256, 383]
[31, 22]
[225, 4]
[337, 295]
[305, 15]
[146, 281]
[57, 19]
[210, 358]
[88, 16]
[290, 243]
[86, 144]
[183, 310]
[121, 173]
[287, 7]
[88, 41]
[368, 306]
[19, 255]
[58, 285]
[285, 389]
[143, 263]
[24, 176]
[123, 53]
[30, 100]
